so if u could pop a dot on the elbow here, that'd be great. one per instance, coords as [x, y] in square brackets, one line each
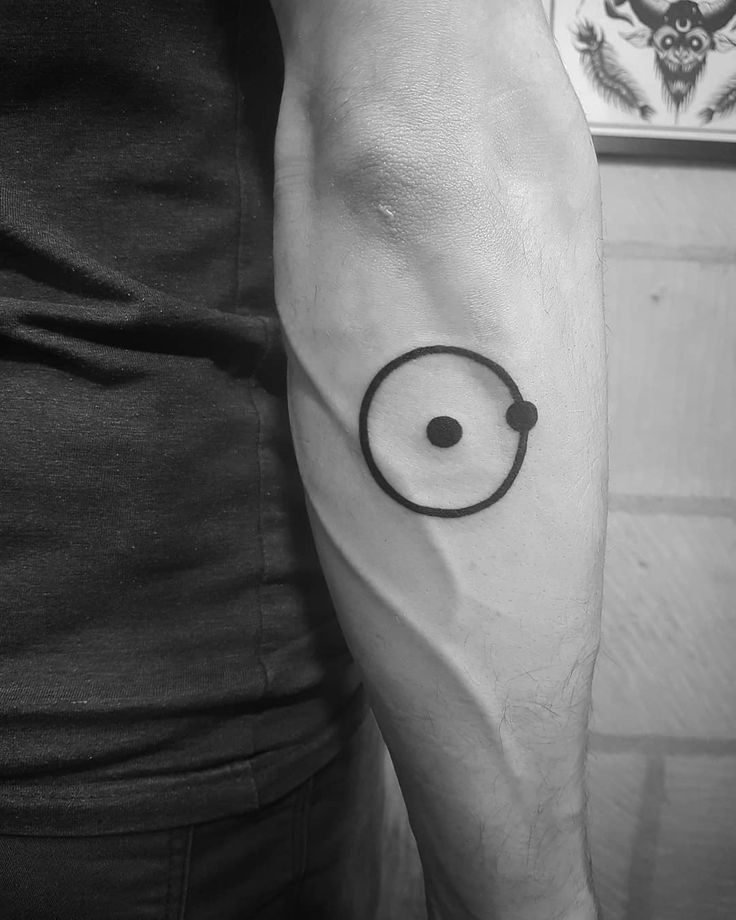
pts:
[407, 182]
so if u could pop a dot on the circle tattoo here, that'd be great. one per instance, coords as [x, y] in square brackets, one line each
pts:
[450, 448]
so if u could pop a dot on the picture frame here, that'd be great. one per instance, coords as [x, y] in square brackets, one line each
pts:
[655, 78]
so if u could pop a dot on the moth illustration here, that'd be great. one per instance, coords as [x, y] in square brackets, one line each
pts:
[682, 34]
[606, 72]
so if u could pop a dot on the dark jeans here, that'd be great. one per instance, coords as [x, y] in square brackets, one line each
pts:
[316, 853]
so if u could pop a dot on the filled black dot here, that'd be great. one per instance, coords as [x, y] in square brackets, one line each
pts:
[522, 415]
[444, 431]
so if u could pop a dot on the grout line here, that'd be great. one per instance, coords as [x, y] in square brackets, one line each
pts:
[673, 504]
[644, 849]
[636, 250]
[662, 745]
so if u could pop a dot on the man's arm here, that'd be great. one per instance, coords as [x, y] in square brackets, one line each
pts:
[439, 285]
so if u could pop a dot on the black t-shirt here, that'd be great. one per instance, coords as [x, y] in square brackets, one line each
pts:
[168, 649]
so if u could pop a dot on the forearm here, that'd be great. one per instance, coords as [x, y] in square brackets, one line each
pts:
[476, 634]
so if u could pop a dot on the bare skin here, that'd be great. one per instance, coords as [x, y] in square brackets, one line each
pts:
[436, 189]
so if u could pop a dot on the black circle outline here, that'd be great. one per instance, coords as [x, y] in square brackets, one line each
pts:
[365, 446]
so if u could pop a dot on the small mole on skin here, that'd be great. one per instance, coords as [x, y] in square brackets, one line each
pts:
[444, 431]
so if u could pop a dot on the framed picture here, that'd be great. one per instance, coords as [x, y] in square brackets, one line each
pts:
[654, 77]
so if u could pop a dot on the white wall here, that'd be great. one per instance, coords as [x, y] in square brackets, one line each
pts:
[663, 746]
